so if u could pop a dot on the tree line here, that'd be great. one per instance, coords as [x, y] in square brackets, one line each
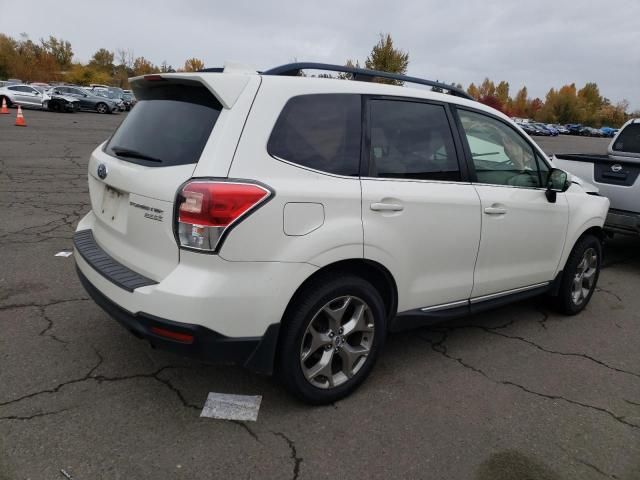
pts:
[563, 105]
[51, 59]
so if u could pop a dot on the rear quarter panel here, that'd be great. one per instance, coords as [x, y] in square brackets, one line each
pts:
[261, 237]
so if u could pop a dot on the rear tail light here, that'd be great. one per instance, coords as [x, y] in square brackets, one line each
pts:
[207, 210]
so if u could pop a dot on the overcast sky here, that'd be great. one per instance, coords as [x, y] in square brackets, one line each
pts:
[538, 43]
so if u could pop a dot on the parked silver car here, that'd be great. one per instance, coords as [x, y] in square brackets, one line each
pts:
[113, 93]
[23, 95]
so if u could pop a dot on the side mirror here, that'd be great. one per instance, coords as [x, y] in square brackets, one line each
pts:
[557, 181]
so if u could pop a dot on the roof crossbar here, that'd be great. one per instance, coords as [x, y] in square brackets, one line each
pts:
[293, 69]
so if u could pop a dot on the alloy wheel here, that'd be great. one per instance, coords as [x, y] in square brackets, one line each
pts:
[337, 342]
[584, 278]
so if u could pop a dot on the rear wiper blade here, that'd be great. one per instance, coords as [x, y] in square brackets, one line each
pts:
[126, 152]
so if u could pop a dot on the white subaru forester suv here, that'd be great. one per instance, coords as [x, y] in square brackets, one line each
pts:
[287, 223]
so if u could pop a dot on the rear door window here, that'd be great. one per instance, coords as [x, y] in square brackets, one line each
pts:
[629, 139]
[411, 140]
[169, 126]
[319, 131]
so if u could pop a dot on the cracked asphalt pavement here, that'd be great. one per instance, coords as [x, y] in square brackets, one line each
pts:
[516, 393]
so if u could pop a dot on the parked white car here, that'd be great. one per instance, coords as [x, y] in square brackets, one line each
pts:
[287, 223]
[615, 175]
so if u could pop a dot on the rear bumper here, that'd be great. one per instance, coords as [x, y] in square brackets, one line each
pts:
[622, 221]
[232, 309]
[255, 353]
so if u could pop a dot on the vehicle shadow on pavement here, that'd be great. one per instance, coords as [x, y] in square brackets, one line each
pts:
[622, 251]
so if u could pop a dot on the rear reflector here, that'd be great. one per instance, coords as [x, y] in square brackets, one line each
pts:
[177, 336]
[208, 209]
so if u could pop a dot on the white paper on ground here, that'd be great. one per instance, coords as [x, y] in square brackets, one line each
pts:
[63, 254]
[227, 406]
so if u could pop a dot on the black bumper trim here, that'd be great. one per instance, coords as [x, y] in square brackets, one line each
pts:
[106, 266]
[255, 353]
[623, 221]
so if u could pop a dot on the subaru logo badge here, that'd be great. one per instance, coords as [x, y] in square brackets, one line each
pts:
[102, 171]
[616, 168]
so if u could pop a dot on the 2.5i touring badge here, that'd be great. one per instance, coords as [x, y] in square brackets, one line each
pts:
[150, 212]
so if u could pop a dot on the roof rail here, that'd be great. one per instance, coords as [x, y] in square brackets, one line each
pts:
[293, 69]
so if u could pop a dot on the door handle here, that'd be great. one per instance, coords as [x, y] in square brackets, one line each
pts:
[495, 211]
[386, 207]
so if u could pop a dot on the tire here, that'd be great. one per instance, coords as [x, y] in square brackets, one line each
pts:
[55, 107]
[102, 108]
[303, 351]
[580, 276]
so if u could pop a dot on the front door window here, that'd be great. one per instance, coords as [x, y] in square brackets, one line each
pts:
[500, 155]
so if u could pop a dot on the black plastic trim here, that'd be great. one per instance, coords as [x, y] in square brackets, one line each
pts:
[492, 303]
[365, 136]
[106, 266]
[293, 69]
[255, 353]
[416, 318]
[623, 221]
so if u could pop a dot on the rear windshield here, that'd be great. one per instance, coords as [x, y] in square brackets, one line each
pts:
[169, 125]
[629, 139]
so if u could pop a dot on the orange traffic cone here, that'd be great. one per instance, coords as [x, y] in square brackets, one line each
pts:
[4, 106]
[20, 118]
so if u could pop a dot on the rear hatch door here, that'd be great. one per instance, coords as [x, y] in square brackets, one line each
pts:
[135, 175]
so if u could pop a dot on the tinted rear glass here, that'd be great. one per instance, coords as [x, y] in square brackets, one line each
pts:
[629, 139]
[320, 131]
[411, 140]
[170, 125]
